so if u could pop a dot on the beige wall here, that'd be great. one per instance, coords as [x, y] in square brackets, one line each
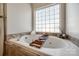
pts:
[62, 17]
[18, 18]
[72, 19]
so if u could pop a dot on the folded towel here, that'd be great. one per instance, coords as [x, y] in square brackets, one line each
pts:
[40, 41]
[37, 43]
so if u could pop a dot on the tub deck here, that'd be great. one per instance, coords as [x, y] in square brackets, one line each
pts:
[16, 48]
[24, 49]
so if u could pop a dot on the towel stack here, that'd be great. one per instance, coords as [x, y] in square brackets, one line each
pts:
[40, 41]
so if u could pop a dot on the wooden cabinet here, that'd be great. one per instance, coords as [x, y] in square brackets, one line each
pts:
[2, 26]
[1, 29]
[10, 50]
[13, 49]
[1, 36]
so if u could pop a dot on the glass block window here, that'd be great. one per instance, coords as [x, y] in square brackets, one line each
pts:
[47, 19]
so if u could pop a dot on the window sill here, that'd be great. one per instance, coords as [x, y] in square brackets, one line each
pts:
[54, 34]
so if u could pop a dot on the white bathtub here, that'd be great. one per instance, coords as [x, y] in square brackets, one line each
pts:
[53, 45]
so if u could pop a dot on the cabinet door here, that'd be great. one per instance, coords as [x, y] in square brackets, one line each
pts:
[1, 36]
[10, 49]
[1, 9]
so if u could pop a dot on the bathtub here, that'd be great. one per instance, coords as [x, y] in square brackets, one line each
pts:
[53, 45]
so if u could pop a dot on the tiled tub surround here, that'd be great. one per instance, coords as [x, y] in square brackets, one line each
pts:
[17, 35]
[74, 40]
